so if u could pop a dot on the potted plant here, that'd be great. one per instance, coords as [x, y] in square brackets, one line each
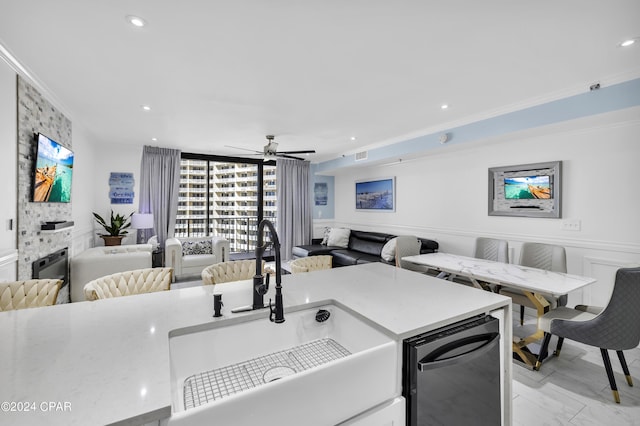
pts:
[116, 228]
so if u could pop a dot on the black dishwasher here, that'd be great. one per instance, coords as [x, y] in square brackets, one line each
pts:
[451, 376]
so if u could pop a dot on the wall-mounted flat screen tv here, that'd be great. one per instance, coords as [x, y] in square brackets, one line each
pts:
[53, 172]
[527, 187]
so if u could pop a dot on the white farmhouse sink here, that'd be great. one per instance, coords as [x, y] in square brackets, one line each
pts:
[361, 369]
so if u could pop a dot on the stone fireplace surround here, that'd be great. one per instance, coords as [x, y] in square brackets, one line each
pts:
[37, 115]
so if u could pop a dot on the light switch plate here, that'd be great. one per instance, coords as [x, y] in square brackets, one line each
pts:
[571, 225]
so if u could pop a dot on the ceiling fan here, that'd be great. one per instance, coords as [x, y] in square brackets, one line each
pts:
[270, 150]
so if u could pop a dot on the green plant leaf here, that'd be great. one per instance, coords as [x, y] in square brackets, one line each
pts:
[117, 223]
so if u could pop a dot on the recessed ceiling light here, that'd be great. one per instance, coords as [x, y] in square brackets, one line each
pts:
[353, 138]
[146, 107]
[154, 139]
[628, 43]
[444, 106]
[136, 21]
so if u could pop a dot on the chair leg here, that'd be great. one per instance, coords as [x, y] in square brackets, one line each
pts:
[521, 315]
[612, 379]
[623, 362]
[558, 346]
[543, 351]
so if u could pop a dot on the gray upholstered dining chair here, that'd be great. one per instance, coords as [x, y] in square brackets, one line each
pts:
[542, 256]
[492, 249]
[616, 327]
[408, 245]
[487, 249]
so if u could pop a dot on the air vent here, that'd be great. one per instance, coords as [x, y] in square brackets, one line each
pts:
[362, 155]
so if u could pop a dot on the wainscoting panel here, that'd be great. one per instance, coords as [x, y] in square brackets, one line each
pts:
[8, 265]
[604, 270]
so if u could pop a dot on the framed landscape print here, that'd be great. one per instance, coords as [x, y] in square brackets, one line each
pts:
[376, 195]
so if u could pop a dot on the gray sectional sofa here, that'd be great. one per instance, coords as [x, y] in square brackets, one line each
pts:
[364, 247]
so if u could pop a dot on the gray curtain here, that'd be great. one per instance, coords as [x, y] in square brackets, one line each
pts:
[159, 186]
[295, 217]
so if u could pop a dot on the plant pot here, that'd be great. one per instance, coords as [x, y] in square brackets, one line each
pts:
[112, 240]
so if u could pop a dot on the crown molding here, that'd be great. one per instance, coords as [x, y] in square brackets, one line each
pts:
[24, 72]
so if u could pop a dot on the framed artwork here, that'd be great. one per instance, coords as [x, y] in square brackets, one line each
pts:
[527, 190]
[376, 195]
[320, 193]
[121, 188]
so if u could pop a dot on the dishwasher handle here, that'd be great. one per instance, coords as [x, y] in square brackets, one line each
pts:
[431, 361]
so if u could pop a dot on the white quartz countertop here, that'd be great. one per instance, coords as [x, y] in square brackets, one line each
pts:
[108, 361]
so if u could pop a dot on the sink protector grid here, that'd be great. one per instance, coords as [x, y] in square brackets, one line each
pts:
[215, 384]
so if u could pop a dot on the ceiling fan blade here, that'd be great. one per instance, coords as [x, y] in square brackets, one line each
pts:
[288, 156]
[308, 151]
[244, 149]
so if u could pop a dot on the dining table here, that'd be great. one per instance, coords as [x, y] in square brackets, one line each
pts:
[539, 285]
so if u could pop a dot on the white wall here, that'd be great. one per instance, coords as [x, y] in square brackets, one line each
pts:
[83, 193]
[114, 157]
[8, 172]
[443, 196]
[9, 157]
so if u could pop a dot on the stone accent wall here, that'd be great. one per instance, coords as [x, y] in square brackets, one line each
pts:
[37, 115]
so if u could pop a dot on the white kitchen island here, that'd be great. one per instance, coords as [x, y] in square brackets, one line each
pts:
[108, 361]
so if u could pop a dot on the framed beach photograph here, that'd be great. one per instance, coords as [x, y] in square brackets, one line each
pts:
[526, 190]
[376, 195]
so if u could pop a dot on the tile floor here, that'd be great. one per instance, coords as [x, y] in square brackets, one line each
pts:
[573, 389]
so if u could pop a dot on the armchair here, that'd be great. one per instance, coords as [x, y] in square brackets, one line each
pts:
[28, 294]
[128, 283]
[311, 263]
[233, 270]
[97, 262]
[189, 256]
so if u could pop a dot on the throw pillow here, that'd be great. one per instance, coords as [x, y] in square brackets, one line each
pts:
[325, 236]
[339, 237]
[389, 250]
[196, 247]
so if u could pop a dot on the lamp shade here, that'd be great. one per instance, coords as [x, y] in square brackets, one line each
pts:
[142, 221]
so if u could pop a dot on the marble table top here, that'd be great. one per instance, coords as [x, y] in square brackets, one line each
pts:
[521, 277]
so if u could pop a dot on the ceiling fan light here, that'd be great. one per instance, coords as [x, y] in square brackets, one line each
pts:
[136, 21]
[628, 42]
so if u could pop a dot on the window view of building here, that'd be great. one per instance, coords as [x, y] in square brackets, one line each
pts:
[222, 198]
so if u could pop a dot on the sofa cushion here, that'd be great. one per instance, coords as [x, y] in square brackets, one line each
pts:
[369, 258]
[365, 246]
[342, 257]
[368, 242]
[196, 247]
[339, 237]
[378, 237]
[389, 250]
[428, 246]
[325, 235]
[198, 260]
[313, 250]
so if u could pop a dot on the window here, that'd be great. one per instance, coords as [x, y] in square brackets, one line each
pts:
[225, 196]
